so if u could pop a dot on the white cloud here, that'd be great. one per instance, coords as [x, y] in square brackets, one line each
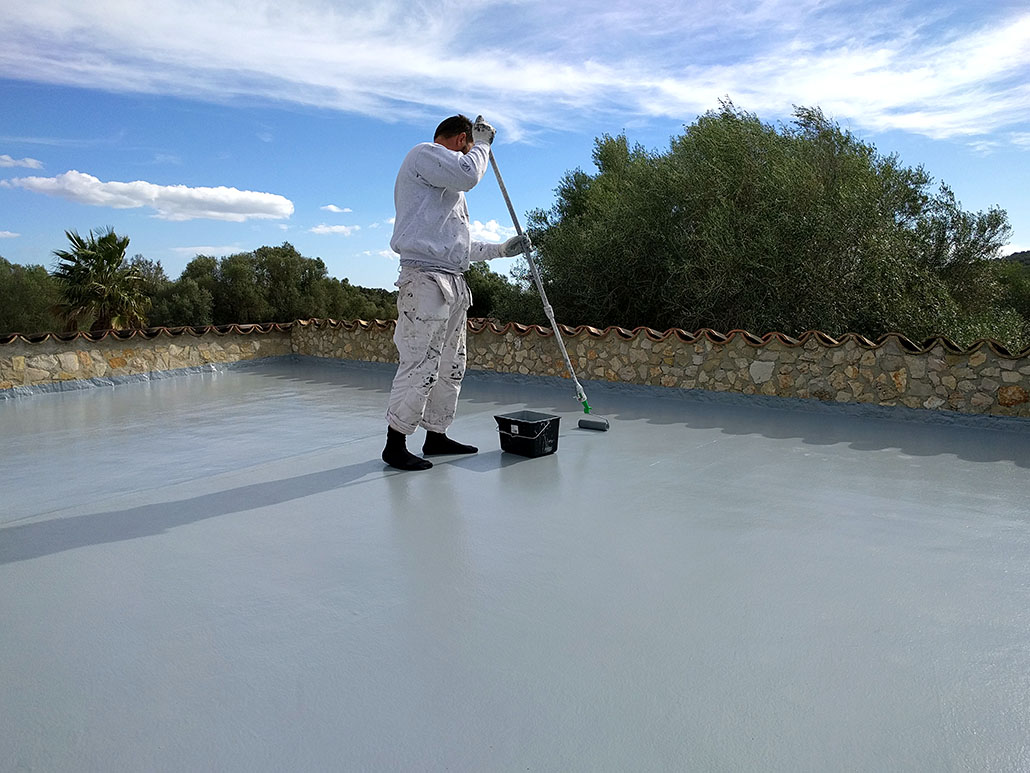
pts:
[943, 70]
[336, 209]
[167, 158]
[985, 147]
[8, 235]
[30, 163]
[388, 254]
[346, 230]
[171, 202]
[210, 251]
[490, 231]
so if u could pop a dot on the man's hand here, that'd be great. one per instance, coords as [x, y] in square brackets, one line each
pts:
[516, 245]
[482, 132]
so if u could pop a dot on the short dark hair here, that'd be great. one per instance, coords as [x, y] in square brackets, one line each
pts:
[453, 126]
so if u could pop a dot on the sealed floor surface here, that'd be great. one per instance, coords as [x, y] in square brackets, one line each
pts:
[217, 572]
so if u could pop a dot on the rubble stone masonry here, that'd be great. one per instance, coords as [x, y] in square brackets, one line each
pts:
[891, 371]
[51, 362]
[984, 378]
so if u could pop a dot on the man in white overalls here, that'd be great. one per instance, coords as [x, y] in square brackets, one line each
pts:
[431, 235]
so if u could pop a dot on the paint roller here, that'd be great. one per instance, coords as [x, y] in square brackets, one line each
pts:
[588, 422]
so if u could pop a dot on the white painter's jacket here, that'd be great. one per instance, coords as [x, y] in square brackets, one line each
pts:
[431, 231]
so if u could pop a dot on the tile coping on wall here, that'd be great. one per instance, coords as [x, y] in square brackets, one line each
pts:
[484, 325]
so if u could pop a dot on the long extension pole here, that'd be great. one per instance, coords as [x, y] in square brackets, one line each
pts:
[596, 423]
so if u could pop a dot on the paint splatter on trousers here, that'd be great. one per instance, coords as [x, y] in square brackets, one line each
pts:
[430, 338]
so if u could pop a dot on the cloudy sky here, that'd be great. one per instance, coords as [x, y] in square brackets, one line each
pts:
[217, 127]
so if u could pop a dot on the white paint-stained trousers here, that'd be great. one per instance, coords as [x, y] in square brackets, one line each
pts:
[430, 338]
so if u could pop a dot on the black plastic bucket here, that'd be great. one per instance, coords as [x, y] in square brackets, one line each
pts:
[528, 433]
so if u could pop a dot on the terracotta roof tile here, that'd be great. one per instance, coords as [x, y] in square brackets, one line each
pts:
[485, 325]
[146, 333]
[715, 337]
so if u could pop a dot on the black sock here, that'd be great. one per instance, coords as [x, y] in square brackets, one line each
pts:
[397, 455]
[439, 443]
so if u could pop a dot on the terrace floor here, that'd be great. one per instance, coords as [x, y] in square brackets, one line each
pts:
[217, 572]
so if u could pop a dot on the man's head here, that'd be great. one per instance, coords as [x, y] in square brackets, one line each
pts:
[455, 133]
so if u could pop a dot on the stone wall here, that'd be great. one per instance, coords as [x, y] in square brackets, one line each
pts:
[984, 378]
[51, 360]
[891, 371]
[938, 375]
[358, 340]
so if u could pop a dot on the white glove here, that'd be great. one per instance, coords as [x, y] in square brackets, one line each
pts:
[516, 245]
[482, 132]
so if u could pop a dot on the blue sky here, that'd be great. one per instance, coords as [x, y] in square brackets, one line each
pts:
[217, 127]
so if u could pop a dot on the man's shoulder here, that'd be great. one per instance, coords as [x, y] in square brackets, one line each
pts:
[423, 150]
[429, 147]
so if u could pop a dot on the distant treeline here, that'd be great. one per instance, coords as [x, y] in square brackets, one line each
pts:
[270, 284]
[277, 284]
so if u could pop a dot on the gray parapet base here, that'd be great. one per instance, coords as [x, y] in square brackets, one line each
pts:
[76, 385]
[597, 390]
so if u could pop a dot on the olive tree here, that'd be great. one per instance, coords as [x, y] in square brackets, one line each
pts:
[28, 295]
[742, 224]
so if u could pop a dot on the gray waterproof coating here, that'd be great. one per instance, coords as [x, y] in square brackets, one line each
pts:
[217, 572]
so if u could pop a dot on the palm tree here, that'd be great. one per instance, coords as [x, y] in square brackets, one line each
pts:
[98, 284]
